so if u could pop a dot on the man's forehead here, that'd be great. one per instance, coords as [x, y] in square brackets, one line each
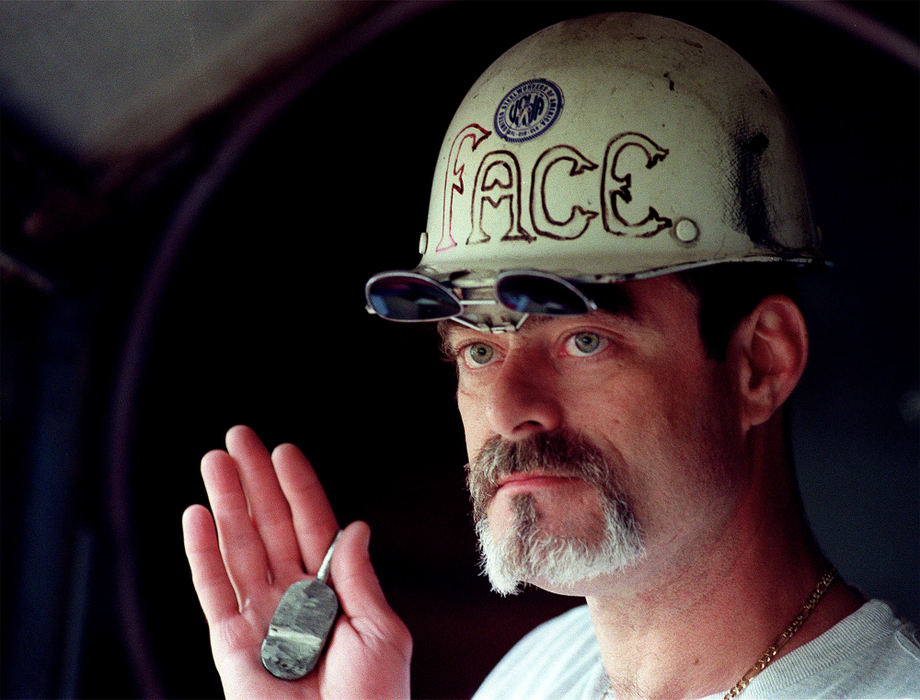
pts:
[621, 300]
[617, 298]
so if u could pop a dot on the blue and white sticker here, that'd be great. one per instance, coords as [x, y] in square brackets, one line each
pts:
[528, 110]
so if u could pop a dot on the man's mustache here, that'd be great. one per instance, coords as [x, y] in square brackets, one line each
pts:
[560, 453]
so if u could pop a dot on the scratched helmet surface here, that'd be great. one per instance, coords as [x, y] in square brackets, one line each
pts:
[613, 147]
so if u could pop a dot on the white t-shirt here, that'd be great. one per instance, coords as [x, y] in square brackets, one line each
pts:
[870, 654]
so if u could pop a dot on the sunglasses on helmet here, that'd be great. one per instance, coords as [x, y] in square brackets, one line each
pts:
[410, 296]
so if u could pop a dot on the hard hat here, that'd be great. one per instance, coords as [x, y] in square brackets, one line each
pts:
[613, 147]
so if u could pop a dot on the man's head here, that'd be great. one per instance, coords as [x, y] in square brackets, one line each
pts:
[606, 201]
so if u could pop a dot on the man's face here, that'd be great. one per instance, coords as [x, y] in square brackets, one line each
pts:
[572, 422]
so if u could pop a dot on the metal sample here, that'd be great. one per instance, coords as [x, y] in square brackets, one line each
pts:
[298, 630]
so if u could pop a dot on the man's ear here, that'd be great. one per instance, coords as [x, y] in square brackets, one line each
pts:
[768, 351]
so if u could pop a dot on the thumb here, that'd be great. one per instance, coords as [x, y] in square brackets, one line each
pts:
[353, 576]
[384, 644]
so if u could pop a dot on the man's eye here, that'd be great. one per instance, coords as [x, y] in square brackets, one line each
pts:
[584, 344]
[478, 354]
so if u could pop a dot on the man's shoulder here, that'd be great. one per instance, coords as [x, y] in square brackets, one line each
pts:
[559, 658]
[871, 653]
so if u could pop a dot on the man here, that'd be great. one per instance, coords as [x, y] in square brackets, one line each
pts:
[615, 213]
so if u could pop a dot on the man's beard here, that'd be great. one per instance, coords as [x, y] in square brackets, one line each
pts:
[529, 552]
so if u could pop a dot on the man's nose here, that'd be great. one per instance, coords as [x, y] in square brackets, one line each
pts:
[523, 399]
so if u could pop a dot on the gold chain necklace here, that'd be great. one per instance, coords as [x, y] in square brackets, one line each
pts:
[771, 651]
[767, 657]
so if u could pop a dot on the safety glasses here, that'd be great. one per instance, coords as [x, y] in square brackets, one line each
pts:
[410, 296]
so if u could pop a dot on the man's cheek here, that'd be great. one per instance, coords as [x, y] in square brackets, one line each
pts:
[480, 493]
[470, 433]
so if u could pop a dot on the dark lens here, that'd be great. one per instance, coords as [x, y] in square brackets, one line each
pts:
[411, 299]
[539, 295]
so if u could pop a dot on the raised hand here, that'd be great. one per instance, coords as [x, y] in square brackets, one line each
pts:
[273, 519]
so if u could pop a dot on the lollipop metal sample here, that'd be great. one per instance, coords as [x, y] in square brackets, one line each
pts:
[298, 630]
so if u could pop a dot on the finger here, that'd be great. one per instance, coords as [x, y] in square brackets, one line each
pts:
[314, 522]
[209, 576]
[268, 508]
[240, 546]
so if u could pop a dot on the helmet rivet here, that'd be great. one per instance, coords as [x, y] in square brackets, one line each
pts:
[423, 243]
[686, 231]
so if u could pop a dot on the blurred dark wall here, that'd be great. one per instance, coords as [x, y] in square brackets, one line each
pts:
[261, 321]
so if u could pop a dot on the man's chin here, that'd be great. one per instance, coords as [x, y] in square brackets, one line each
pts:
[568, 509]
[521, 546]
[542, 559]
[596, 582]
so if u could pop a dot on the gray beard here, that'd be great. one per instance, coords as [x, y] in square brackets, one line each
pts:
[530, 553]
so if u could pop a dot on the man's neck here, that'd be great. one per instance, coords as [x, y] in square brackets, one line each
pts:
[696, 628]
[691, 638]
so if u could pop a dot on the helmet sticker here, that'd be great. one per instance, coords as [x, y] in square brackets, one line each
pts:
[528, 110]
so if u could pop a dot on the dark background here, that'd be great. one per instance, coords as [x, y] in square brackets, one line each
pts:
[198, 297]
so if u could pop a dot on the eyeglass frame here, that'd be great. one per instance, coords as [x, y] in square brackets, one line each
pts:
[590, 304]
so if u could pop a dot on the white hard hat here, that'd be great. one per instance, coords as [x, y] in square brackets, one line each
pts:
[613, 147]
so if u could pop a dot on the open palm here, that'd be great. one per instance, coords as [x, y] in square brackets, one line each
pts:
[271, 524]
